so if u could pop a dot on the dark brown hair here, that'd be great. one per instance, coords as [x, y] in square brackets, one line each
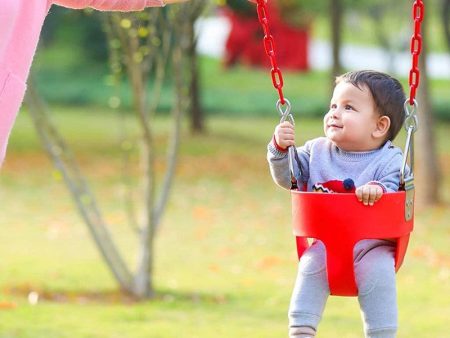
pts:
[387, 94]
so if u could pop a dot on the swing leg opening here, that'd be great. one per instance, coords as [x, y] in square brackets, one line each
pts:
[340, 264]
[340, 268]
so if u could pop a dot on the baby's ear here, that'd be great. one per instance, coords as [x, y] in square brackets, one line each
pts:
[382, 128]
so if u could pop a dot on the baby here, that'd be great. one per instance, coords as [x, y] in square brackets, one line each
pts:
[365, 114]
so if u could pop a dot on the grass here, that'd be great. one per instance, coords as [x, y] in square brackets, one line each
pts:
[225, 257]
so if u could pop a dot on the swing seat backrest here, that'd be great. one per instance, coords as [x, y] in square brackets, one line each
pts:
[340, 221]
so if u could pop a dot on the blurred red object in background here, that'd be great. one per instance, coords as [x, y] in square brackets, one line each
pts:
[245, 42]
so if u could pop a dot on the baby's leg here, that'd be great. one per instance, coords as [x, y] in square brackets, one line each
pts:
[375, 277]
[310, 292]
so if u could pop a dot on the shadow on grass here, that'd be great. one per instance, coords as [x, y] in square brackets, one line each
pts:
[36, 294]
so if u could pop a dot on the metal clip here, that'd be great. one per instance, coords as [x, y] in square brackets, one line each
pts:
[294, 167]
[409, 200]
[407, 179]
[411, 124]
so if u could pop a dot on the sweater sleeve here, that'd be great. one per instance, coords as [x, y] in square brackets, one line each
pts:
[110, 5]
[389, 177]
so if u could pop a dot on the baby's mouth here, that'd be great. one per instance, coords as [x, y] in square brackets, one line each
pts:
[332, 125]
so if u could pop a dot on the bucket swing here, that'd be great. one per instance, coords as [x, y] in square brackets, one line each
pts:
[319, 216]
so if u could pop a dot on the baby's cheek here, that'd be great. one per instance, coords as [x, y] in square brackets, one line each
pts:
[325, 118]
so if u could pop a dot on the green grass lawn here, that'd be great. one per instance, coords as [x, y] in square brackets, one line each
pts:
[225, 256]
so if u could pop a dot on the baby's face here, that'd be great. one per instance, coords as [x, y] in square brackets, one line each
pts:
[352, 118]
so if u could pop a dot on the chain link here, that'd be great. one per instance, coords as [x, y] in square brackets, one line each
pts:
[283, 105]
[410, 107]
[416, 48]
[411, 121]
[269, 46]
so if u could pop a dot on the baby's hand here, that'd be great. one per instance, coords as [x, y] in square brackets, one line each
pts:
[285, 135]
[368, 194]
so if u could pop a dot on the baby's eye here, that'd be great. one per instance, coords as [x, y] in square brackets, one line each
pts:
[348, 107]
[333, 106]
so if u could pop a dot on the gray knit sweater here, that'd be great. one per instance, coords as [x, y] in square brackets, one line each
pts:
[322, 161]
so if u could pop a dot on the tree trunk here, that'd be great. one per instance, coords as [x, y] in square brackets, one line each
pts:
[446, 20]
[196, 112]
[154, 204]
[143, 280]
[376, 12]
[195, 109]
[336, 12]
[427, 174]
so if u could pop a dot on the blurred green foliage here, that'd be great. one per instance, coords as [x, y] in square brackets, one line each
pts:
[76, 29]
[241, 7]
[74, 53]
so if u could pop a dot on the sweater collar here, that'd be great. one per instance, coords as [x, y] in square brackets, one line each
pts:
[357, 155]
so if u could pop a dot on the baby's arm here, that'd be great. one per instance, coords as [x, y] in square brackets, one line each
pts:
[387, 181]
[277, 155]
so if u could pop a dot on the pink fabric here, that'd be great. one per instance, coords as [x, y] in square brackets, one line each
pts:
[20, 26]
[117, 5]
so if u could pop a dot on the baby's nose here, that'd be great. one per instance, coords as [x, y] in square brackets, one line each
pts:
[335, 113]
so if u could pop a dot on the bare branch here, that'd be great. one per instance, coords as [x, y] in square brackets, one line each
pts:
[79, 189]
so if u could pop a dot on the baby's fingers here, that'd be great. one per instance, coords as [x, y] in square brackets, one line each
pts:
[378, 192]
[286, 126]
[369, 194]
[362, 194]
[372, 195]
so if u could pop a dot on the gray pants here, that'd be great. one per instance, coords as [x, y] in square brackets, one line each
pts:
[375, 277]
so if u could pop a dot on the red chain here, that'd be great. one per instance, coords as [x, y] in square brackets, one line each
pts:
[269, 46]
[416, 47]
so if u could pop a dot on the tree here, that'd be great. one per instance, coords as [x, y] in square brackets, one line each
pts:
[196, 112]
[388, 18]
[139, 48]
[141, 44]
[336, 11]
[428, 175]
[446, 20]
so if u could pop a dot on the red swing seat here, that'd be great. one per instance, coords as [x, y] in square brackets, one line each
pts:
[340, 221]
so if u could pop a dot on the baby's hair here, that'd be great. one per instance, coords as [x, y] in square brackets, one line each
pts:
[387, 94]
